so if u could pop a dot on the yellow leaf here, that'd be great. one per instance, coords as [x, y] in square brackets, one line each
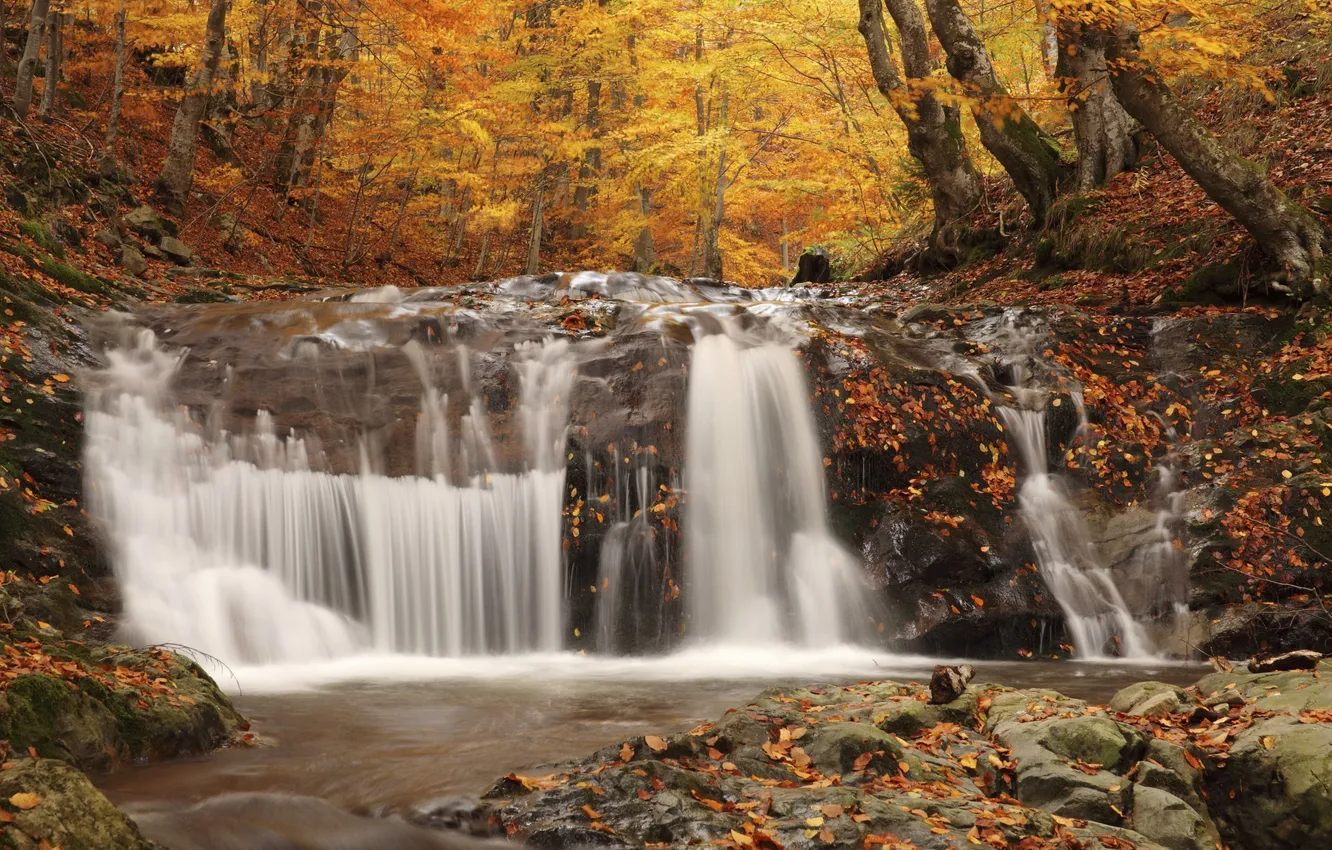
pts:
[61, 378]
[42, 625]
[25, 800]
[814, 821]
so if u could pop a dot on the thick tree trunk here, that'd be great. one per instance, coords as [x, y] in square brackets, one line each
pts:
[54, 47]
[117, 94]
[1288, 233]
[1027, 153]
[32, 51]
[934, 132]
[178, 169]
[1101, 126]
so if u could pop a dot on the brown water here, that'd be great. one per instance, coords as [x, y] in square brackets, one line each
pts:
[390, 747]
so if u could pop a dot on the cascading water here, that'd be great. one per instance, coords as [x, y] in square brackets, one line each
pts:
[762, 566]
[233, 545]
[1094, 609]
[1087, 590]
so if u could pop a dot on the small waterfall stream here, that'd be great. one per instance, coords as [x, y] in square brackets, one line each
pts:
[1096, 613]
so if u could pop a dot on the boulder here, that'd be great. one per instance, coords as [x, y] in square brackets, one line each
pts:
[176, 251]
[58, 807]
[132, 260]
[1149, 699]
[108, 238]
[1171, 822]
[1276, 782]
[96, 721]
[147, 222]
[1090, 739]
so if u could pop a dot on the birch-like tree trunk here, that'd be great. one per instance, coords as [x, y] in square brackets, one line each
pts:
[178, 169]
[54, 49]
[32, 52]
[1103, 130]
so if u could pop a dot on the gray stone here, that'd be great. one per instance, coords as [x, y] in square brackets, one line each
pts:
[176, 251]
[1276, 785]
[1158, 705]
[132, 261]
[108, 238]
[1171, 822]
[1125, 700]
[836, 746]
[147, 222]
[1094, 740]
[905, 718]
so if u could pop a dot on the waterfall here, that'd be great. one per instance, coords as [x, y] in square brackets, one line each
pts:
[761, 565]
[233, 545]
[1094, 609]
[1086, 589]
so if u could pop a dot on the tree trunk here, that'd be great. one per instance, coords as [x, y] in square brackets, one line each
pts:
[934, 132]
[591, 165]
[1100, 125]
[117, 94]
[32, 51]
[1049, 37]
[1288, 233]
[178, 169]
[1027, 153]
[51, 84]
[645, 251]
[534, 236]
[712, 256]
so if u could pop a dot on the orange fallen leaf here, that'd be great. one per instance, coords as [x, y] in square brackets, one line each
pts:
[25, 800]
[654, 743]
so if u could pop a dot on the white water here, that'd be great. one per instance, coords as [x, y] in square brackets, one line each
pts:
[761, 566]
[271, 561]
[1094, 609]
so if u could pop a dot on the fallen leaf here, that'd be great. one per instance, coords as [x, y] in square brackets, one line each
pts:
[25, 800]
[654, 743]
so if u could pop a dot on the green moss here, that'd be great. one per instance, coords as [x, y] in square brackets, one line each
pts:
[37, 231]
[69, 276]
[36, 704]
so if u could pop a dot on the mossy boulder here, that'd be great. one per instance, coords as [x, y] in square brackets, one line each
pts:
[52, 802]
[101, 707]
[1093, 740]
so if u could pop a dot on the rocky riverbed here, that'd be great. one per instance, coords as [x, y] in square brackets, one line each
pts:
[1238, 760]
